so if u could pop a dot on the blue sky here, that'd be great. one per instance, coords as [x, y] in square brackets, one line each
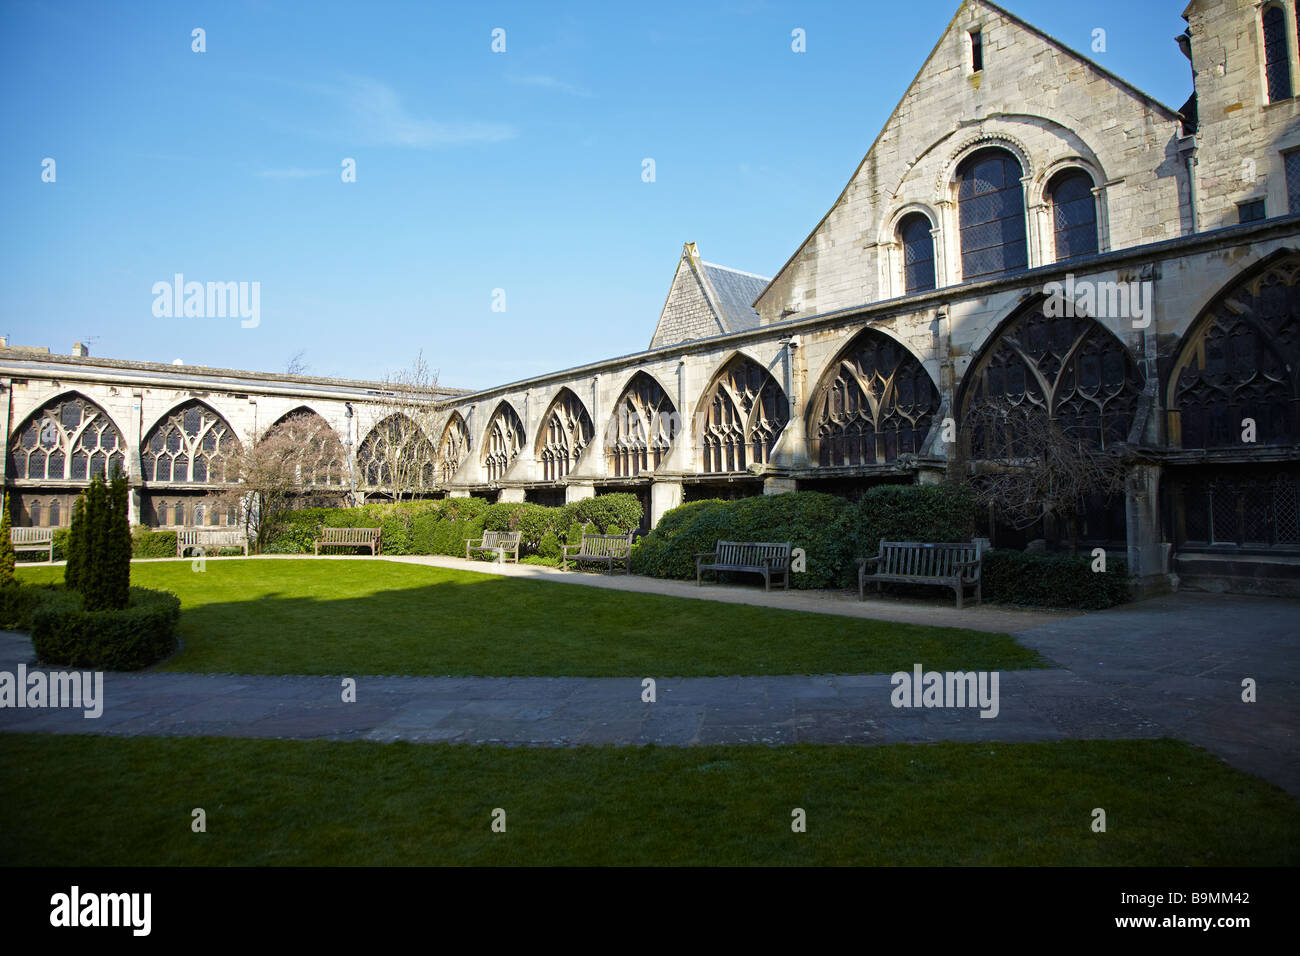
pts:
[475, 170]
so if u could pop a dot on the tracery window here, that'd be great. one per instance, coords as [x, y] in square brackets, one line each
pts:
[642, 429]
[878, 403]
[991, 211]
[1241, 362]
[192, 444]
[566, 432]
[505, 440]
[72, 438]
[1070, 366]
[453, 448]
[396, 455]
[916, 236]
[745, 412]
[1074, 214]
[323, 460]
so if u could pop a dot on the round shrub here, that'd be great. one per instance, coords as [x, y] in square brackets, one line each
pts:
[141, 634]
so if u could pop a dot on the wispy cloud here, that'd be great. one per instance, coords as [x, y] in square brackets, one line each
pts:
[378, 112]
[292, 172]
[551, 83]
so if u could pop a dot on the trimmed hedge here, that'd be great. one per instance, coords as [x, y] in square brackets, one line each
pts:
[142, 633]
[832, 532]
[1053, 580]
[149, 543]
[18, 601]
[443, 526]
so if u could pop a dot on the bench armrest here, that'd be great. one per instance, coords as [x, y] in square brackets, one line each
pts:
[967, 564]
[863, 562]
[705, 554]
[473, 542]
[566, 548]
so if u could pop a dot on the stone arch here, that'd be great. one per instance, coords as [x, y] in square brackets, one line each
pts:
[69, 438]
[1239, 359]
[564, 434]
[740, 415]
[323, 460]
[191, 444]
[642, 427]
[1071, 366]
[874, 402]
[453, 447]
[504, 440]
[395, 454]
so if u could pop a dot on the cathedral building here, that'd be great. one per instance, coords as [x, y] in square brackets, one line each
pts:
[1027, 227]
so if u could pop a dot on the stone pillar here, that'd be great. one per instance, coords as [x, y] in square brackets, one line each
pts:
[510, 494]
[1146, 555]
[134, 438]
[779, 486]
[458, 493]
[664, 496]
[578, 491]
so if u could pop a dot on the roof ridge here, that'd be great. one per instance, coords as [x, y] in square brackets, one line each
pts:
[752, 275]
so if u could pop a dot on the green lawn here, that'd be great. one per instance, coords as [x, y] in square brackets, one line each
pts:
[87, 801]
[379, 617]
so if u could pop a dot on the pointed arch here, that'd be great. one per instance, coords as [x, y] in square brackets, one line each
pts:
[642, 427]
[453, 448]
[192, 444]
[70, 438]
[564, 435]
[740, 416]
[323, 460]
[504, 441]
[396, 455]
[874, 402]
[1240, 359]
[1071, 366]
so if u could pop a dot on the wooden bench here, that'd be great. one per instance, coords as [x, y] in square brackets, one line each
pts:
[206, 538]
[600, 549]
[502, 542]
[371, 538]
[768, 558]
[33, 539]
[954, 565]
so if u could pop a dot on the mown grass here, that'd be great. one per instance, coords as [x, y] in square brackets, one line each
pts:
[378, 617]
[85, 801]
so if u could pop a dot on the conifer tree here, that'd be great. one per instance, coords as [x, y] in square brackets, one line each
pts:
[117, 548]
[93, 579]
[74, 572]
[7, 556]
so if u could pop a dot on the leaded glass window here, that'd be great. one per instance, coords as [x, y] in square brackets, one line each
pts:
[991, 210]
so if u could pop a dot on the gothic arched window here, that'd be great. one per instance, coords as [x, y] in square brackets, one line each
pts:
[877, 402]
[192, 444]
[505, 440]
[69, 439]
[566, 432]
[1072, 367]
[453, 448]
[322, 459]
[745, 411]
[991, 210]
[915, 235]
[1074, 214]
[396, 455]
[1241, 362]
[1277, 63]
[643, 427]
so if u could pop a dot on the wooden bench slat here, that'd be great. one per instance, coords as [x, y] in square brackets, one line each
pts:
[601, 548]
[371, 538]
[33, 539]
[767, 558]
[951, 564]
[501, 542]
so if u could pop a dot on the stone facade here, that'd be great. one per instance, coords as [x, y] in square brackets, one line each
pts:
[840, 377]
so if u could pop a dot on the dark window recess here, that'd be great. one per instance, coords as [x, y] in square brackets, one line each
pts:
[1292, 162]
[976, 51]
[918, 253]
[991, 210]
[1252, 211]
[1277, 65]
[1074, 215]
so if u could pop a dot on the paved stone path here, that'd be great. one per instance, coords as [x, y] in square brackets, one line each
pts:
[1167, 667]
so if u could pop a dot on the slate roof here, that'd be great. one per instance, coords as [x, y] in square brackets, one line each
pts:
[736, 292]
